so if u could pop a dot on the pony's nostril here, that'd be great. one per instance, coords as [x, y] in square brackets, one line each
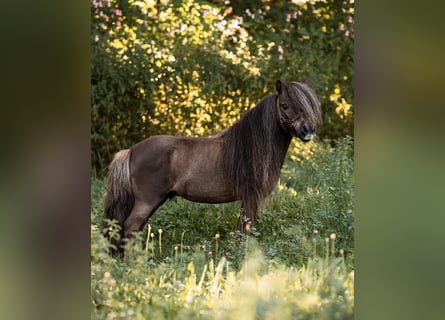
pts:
[305, 129]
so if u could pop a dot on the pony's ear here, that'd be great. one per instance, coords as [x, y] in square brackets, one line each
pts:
[278, 86]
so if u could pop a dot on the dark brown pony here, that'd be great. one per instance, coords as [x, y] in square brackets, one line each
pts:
[243, 162]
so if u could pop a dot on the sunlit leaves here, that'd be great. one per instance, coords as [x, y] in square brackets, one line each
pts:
[194, 67]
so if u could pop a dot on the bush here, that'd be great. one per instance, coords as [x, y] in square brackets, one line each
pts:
[193, 67]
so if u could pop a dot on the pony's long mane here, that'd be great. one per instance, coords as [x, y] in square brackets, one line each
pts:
[254, 149]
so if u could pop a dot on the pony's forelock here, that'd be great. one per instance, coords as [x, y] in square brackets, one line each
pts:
[303, 95]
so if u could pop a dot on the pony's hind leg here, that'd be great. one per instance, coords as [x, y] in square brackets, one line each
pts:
[139, 215]
[137, 218]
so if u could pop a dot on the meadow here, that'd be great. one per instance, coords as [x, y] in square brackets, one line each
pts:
[189, 262]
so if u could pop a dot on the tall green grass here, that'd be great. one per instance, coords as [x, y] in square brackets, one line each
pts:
[189, 262]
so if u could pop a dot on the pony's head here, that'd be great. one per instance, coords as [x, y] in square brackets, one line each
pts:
[298, 108]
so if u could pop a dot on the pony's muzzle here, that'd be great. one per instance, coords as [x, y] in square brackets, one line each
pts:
[307, 132]
[308, 129]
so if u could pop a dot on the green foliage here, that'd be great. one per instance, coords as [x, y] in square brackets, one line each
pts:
[324, 186]
[193, 67]
[189, 262]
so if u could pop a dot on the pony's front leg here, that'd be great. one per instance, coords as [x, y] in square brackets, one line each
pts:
[247, 220]
[243, 224]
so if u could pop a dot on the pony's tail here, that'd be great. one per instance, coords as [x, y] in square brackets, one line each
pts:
[119, 198]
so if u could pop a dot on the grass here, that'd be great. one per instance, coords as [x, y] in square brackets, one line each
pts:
[190, 263]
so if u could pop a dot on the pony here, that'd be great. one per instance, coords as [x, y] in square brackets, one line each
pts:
[241, 163]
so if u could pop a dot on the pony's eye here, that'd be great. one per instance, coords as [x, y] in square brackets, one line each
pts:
[284, 106]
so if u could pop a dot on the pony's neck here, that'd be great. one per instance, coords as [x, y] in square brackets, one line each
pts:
[260, 134]
[253, 152]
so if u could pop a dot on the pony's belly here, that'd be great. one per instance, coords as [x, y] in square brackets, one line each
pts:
[205, 191]
[208, 199]
[197, 172]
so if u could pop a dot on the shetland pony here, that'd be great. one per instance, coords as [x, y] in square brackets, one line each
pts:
[243, 162]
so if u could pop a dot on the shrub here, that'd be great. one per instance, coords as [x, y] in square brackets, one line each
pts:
[193, 67]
